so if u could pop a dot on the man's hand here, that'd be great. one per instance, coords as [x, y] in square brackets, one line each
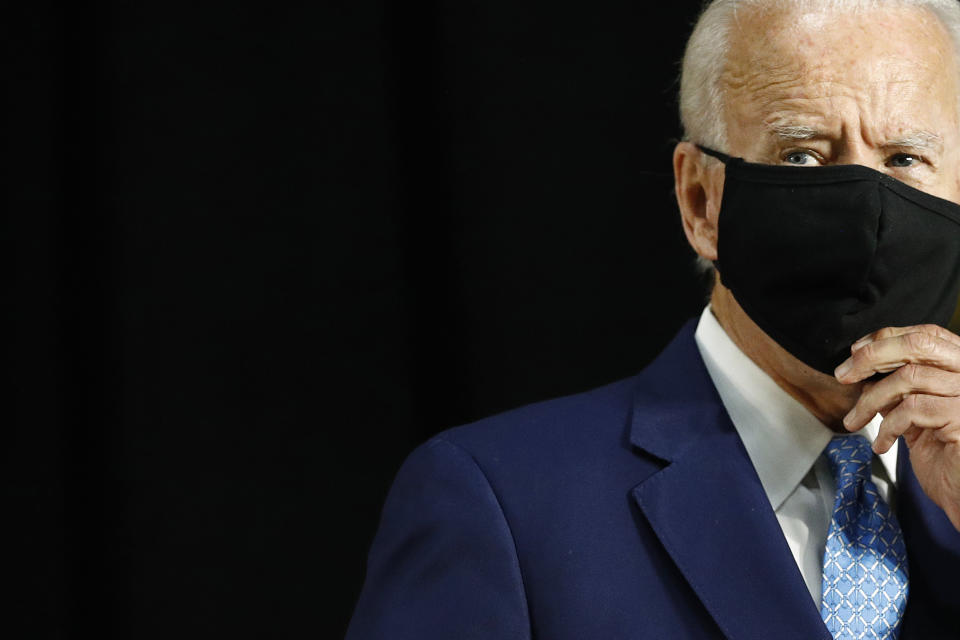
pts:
[920, 401]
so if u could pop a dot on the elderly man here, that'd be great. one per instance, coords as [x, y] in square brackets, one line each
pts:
[790, 466]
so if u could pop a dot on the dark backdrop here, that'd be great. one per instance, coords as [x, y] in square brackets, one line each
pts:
[260, 252]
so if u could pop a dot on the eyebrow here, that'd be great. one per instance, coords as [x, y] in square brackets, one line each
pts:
[794, 131]
[920, 140]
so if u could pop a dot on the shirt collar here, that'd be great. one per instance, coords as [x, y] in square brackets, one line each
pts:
[781, 436]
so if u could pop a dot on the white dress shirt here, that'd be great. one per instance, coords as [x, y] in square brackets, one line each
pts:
[785, 442]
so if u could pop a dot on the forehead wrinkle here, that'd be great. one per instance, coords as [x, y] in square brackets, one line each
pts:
[804, 99]
[767, 64]
[825, 109]
[798, 81]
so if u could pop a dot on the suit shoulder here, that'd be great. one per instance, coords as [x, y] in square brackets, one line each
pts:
[571, 422]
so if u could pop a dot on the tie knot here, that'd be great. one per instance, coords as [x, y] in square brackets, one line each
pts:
[850, 457]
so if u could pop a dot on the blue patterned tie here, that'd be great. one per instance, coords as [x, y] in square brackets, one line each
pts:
[865, 562]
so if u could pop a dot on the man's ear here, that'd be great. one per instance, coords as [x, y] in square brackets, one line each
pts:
[698, 183]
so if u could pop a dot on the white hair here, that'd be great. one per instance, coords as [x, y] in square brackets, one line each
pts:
[701, 94]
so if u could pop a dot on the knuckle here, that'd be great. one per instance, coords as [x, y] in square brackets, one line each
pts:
[912, 375]
[933, 329]
[922, 343]
[912, 403]
[867, 353]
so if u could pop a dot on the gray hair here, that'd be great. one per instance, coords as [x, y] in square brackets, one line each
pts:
[701, 95]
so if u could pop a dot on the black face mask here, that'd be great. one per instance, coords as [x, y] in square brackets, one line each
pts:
[819, 257]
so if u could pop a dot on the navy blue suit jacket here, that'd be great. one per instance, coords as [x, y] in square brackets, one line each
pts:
[630, 511]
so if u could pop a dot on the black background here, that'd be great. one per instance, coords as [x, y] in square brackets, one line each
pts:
[259, 253]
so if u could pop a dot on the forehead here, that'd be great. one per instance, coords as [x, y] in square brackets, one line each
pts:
[890, 67]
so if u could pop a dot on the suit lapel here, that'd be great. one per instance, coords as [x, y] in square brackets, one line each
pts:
[708, 508]
[933, 553]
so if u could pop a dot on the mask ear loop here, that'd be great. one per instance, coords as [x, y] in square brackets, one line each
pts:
[724, 158]
[719, 155]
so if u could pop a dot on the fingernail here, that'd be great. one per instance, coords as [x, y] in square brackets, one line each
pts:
[847, 419]
[862, 341]
[844, 368]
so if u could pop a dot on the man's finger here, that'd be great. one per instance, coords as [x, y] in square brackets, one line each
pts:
[883, 395]
[892, 332]
[889, 354]
[911, 435]
[916, 410]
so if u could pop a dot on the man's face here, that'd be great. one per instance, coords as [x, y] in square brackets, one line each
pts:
[877, 88]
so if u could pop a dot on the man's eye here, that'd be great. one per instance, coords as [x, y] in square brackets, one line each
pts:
[800, 158]
[901, 160]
